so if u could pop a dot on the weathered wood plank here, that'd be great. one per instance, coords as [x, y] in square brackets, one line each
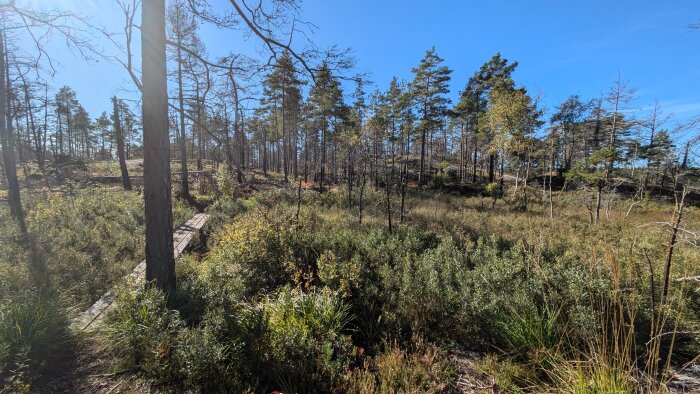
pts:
[181, 238]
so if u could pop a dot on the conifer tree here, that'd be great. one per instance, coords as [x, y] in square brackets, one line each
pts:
[429, 87]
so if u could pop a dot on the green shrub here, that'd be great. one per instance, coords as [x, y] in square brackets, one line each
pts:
[222, 211]
[143, 332]
[256, 249]
[219, 351]
[224, 182]
[88, 240]
[33, 335]
[527, 301]
[182, 212]
[424, 294]
[308, 349]
[205, 362]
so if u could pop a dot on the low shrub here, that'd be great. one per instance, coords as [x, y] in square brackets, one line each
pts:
[33, 335]
[256, 249]
[308, 346]
[88, 240]
[396, 371]
[143, 332]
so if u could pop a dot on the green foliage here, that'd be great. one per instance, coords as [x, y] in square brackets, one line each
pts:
[224, 181]
[308, 348]
[591, 171]
[424, 294]
[440, 179]
[143, 332]
[256, 249]
[88, 240]
[33, 333]
[222, 210]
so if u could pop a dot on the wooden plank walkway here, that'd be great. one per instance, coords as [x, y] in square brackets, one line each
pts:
[181, 238]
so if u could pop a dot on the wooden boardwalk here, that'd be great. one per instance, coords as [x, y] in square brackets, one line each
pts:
[181, 238]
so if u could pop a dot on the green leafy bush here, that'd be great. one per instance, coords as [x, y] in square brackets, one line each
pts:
[256, 249]
[88, 240]
[308, 349]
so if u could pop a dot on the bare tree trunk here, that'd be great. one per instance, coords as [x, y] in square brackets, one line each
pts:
[119, 134]
[680, 204]
[8, 144]
[527, 175]
[349, 179]
[474, 163]
[323, 158]
[184, 176]
[421, 174]
[264, 151]
[31, 126]
[388, 196]
[160, 261]
[285, 156]
[363, 183]
[296, 216]
[598, 198]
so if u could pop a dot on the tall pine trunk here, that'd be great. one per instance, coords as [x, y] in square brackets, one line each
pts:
[160, 261]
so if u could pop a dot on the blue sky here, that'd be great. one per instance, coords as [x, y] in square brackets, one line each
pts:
[563, 47]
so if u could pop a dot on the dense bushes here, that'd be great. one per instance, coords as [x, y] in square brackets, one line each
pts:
[296, 306]
[308, 347]
[293, 340]
[256, 249]
[88, 240]
[326, 304]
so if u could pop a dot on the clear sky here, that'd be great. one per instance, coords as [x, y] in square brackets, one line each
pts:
[563, 47]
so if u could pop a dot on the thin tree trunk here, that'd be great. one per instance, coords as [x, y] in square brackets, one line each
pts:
[119, 134]
[8, 144]
[388, 197]
[296, 216]
[184, 176]
[672, 243]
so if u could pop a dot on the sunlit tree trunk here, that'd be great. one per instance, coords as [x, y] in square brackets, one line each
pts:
[185, 183]
[160, 261]
[119, 134]
[8, 144]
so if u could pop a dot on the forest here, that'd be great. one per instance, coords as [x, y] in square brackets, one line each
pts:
[303, 229]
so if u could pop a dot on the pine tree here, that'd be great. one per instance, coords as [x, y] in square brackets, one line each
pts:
[474, 103]
[183, 29]
[282, 97]
[160, 261]
[429, 87]
[325, 100]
